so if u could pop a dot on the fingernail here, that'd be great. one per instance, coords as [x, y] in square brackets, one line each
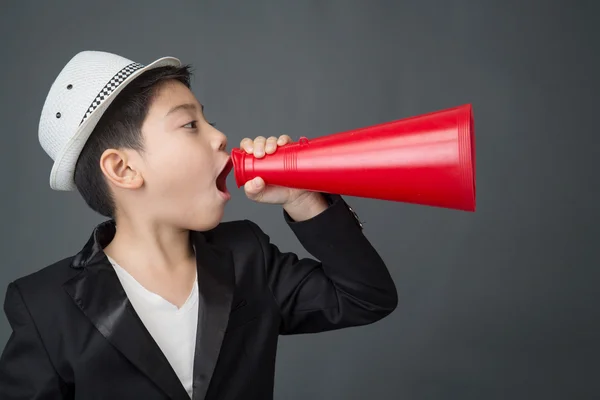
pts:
[270, 147]
[256, 183]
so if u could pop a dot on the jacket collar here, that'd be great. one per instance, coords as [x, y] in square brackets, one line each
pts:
[97, 291]
[93, 251]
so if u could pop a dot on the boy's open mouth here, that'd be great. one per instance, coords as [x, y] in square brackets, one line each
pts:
[222, 178]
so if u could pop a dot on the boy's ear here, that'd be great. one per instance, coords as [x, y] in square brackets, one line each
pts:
[117, 166]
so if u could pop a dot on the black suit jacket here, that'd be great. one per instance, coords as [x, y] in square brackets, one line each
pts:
[76, 335]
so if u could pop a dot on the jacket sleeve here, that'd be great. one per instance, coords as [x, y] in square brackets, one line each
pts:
[347, 284]
[25, 368]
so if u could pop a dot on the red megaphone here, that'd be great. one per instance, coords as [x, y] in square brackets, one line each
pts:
[427, 160]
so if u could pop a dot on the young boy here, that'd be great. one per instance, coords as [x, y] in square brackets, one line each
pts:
[165, 301]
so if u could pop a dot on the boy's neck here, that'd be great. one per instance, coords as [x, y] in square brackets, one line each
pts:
[148, 245]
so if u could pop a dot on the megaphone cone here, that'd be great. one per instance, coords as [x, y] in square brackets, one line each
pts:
[427, 160]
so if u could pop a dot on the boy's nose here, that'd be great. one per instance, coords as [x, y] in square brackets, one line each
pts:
[220, 141]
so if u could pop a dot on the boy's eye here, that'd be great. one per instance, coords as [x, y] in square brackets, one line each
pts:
[194, 125]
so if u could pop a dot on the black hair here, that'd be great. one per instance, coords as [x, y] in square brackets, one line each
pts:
[120, 127]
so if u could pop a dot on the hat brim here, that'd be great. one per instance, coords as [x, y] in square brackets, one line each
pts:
[63, 169]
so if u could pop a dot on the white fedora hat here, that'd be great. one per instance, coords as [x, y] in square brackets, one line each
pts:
[79, 96]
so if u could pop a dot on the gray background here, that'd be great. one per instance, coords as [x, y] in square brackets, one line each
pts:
[499, 304]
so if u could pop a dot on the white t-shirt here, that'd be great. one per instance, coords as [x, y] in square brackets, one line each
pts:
[173, 329]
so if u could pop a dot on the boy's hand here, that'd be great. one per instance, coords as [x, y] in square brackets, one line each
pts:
[300, 204]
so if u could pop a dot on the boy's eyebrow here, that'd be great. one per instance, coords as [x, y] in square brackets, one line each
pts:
[188, 106]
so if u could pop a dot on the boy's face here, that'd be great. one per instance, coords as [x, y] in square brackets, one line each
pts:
[181, 163]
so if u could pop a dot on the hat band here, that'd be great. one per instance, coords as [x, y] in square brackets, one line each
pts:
[110, 87]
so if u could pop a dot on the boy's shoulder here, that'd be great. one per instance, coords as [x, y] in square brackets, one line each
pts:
[51, 275]
[43, 289]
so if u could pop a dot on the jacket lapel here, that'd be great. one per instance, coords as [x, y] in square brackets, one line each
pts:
[97, 291]
[216, 283]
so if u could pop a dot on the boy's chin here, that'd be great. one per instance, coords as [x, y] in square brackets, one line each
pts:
[204, 224]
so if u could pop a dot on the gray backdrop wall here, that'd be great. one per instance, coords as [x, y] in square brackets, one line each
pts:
[500, 304]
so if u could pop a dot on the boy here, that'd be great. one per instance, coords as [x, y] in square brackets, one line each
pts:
[165, 301]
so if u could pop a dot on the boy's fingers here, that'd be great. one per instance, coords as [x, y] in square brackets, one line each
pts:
[254, 188]
[259, 146]
[246, 144]
[284, 139]
[271, 145]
